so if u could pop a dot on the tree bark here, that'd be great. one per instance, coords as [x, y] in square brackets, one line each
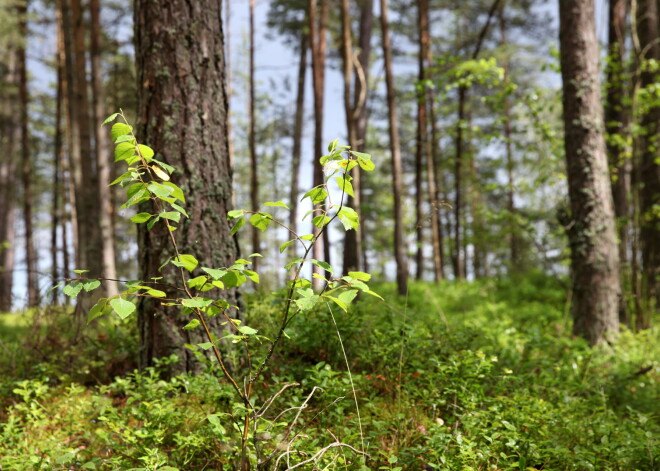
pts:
[395, 148]
[183, 117]
[103, 162]
[591, 227]
[648, 32]
[254, 172]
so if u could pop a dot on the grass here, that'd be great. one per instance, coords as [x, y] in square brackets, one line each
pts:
[465, 376]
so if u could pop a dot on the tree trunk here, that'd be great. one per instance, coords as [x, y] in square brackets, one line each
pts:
[318, 33]
[397, 173]
[591, 228]
[254, 173]
[649, 43]
[297, 134]
[90, 245]
[352, 241]
[26, 164]
[103, 162]
[183, 117]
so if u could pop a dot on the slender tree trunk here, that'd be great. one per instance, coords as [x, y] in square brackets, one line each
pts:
[297, 133]
[395, 148]
[591, 228]
[318, 33]
[254, 171]
[617, 115]
[103, 163]
[648, 32]
[426, 101]
[352, 241]
[230, 90]
[182, 104]
[26, 164]
[421, 140]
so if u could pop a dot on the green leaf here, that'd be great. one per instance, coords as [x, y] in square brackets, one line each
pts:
[185, 261]
[317, 195]
[215, 273]
[125, 176]
[180, 209]
[359, 275]
[320, 220]
[235, 213]
[126, 138]
[156, 293]
[145, 151]
[254, 276]
[80, 272]
[347, 296]
[122, 307]
[175, 191]
[278, 204]
[261, 221]
[110, 118]
[73, 289]
[333, 145]
[124, 151]
[345, 185]
[140, 196]
[141, 217]
[197, 282]
[97, 310]
[90, 285]
[233, 279]
[307, 237]
[171, 215]
[160, 190]
[205, 345]
[196, 302]
[285, 245]
[192, 324]
[120, 129]
[372, 293]
[160, 173]
[239, 223]
[349, 218]
[323, 265]
[245, 330]
[168, 168]
[338, 302]
[308, 299]
[364, 161]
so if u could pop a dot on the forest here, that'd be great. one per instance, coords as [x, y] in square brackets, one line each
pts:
[329, 235]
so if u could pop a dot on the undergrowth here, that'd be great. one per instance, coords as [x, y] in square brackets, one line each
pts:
[460, 376]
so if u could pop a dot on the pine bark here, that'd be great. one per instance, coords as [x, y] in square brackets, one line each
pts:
[183, 117]
[591, 226]
[395, 149]
[254, 171]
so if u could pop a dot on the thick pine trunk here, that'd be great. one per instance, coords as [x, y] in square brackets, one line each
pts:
[591, 227]
[395, 148]
[183, 117]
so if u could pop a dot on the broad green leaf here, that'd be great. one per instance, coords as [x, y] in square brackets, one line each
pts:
[366, 164]
[140, 196]
[218, 284]
[285, 245]
[245, 330]
[171, 215]
[180, 209]
[347, 296]
[156, 293]
[239, 223]
[122, 307]
[235, 213]
[151, 223]
[233, 279]
[308, 237]
[320, 220]
[308, 299]
[176, 192]
[141, 217]
[120, 129]
[110, 118]
[261, 221]
[317, 195]
[97, 310]
[160, 190]
[254, 276]
[323, 265]
[80, 272]
[192, 324]
[196, 302]
[124, 176]
[145, 151]
[278, 204]
[215, 273]
[345, 186]
[359, 275]
[333, 145]
[185, 261]
[197, 282]
[90, 285]
[205, 345]
[126, 138]
[349, 218]
[73, 289]
[338, 302]
[372, 293]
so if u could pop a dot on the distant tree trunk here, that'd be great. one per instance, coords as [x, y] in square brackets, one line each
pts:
[426, 101]
[297, 133]
[26, 164]
[90, 249]
[318, 33]
[183, 116]
[352, 241]
[230, 90]
[9, 138]
[254, 172]
[397, 173]
[591, 228]
[421, 140]
[648, 32]
[103, 163]
[514, 243]
[360, 105]
[617, 116]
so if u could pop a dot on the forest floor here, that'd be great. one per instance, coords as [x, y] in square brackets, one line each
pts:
[458, 376]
